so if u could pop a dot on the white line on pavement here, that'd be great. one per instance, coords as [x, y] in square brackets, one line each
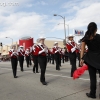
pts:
[51, 75]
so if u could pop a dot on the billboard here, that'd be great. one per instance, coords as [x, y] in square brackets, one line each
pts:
[78, 35]
[78, 32]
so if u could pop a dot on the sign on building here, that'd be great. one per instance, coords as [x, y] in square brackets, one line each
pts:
[78, 32]
[78, 35]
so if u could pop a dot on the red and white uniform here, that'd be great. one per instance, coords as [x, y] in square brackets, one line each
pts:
[63, 51]
[27, 53]
[30, 50]
[78, 48]
[56, 50]
[35, 50]
[21, 52]
[71, 46]
[60, 50]
[13, 53]
[42, 50]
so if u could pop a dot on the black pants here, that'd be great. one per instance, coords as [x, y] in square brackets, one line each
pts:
[57, 61]
[14, 63]
[78, 56]
[52, 56]
[21, 61]
[72, 57]
[42, 60]
[66, 58]
[63, 58]
[27, 60]
[35, 60]
[93, 79]
[49, 58]
[30, 63]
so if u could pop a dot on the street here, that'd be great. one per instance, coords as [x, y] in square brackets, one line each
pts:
[28, 87]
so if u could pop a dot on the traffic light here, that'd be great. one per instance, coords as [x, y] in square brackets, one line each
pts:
[1, 44]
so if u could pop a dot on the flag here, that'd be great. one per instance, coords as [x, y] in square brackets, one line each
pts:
[77, 73]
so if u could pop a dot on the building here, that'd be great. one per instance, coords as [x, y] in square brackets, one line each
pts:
[4, 50]
[50, 43]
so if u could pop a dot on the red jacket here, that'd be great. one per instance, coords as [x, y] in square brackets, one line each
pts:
[70, 45]
[35, 50]
[55, 50]
[27, 53]
[21, 52]
[12, 55]
[40, 51]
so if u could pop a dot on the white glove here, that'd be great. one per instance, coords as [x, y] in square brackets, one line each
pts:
[12, 54]
[33, 48]
[35, 45]
[56, 51]
[16, 53]
[73, 49]
[44, 50]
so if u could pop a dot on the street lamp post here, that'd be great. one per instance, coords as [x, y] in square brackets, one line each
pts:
[11, 39]
[64, 25]
[67, 26]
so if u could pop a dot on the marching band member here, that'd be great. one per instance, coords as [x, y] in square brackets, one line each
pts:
[71, 46]
[27, 56]
[78, 53]
[42, 58]
[52, 56]
[60, 55]
[14, 61]
[35, 58]
[21, 53]
[56, 55]
[49, 58]
[30, 50]
[63, 55]
[66, 54]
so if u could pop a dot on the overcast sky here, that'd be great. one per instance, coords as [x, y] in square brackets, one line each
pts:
[35, 17]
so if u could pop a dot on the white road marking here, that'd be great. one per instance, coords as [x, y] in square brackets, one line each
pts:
[51, 75]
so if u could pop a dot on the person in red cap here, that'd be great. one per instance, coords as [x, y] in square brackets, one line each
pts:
[92, 57]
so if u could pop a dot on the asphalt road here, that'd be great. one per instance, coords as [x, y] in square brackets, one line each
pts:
[28, 87]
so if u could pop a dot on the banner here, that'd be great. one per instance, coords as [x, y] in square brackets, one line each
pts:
[78, 32]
